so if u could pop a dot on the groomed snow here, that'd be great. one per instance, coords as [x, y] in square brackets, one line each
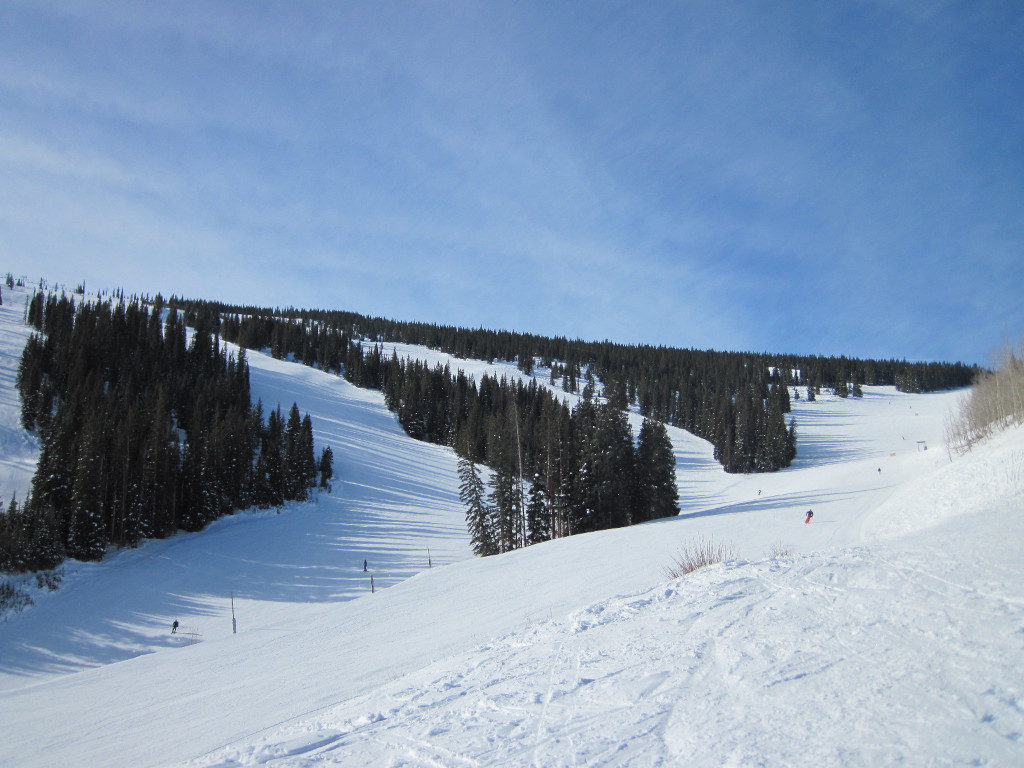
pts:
[892, 634]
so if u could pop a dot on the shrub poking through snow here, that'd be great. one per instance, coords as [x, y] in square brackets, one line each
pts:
[13, 599]
[780, 550]
[49, 579]
[698, 554]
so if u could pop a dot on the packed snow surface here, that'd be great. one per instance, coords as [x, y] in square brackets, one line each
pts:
[890, 630]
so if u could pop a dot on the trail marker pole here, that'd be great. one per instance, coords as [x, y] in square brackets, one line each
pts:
[371, 585]
[234, 624]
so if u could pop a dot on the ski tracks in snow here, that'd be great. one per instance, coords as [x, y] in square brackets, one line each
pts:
[760, 654]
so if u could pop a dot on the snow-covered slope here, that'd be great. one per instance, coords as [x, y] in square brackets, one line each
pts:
[891, 634]
[18, 450]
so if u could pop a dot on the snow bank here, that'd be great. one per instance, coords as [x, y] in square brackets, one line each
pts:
[900, 652]
[974, 484]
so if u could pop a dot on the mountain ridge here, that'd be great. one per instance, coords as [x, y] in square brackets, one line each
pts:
[574, 650]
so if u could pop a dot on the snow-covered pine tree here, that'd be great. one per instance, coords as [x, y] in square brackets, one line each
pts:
[538, 511]
[86, 535]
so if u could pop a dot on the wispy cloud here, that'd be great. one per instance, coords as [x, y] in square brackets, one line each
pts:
[817, 179]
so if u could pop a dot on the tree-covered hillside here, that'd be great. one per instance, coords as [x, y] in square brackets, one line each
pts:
[735, 400]
[556, 471]
[142, 433]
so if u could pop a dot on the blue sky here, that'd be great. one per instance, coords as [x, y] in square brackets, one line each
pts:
[809, 177]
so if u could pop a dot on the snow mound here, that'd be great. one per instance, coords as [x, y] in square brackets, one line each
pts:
[973, 484]
[903, 651]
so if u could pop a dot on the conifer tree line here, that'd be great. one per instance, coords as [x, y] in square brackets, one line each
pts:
[553, 470]
[736, 401]
[650, 374]
[141, 433]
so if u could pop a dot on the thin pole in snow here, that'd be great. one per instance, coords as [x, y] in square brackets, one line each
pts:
[371, 585]
[234, 624]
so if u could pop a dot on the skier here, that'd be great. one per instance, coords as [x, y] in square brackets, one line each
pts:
[364, 566]
[810, 514]
[174, 627]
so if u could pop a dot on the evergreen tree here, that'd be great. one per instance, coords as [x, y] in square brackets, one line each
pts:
[505, 505]
[538, 511]
[271, 464]
[211, 496]
[325, 467]
[479, 517]
[192, 517]
[299, 459]
[615, 468]
[507, 495]
[86, 535]
[656, 470]
[606, 469]
[30, 383]
[55, 469]
[583, 496]
[157, 475]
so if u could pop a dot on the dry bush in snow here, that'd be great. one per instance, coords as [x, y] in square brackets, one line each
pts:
[698, 554]
[780, 550]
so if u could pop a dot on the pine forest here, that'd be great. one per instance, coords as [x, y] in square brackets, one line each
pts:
[144, 433]
[141, 433]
